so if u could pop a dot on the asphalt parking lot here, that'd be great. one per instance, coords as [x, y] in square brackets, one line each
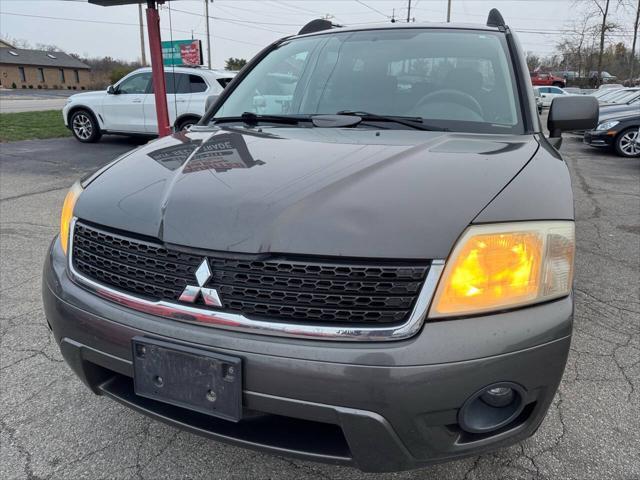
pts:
[52, 427]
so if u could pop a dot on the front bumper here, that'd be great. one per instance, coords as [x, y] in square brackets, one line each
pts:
[598, 138]
[379, 407]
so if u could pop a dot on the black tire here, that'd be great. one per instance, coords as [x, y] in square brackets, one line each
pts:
[185, 123]
[558, 84]
[84, 126]
[625, 144]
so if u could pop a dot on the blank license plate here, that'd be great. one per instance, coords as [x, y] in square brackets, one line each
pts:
[195, 379]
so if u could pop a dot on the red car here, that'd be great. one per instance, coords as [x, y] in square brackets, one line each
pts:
[546, 79]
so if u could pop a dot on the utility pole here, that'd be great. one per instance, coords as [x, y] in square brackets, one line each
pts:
[449, 11]
[409, 12]
[143, 55]
[206, 14]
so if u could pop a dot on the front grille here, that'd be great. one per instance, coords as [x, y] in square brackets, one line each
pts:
[273, 288]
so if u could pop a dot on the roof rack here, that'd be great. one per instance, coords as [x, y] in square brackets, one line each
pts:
[495, 19]
[316, 25]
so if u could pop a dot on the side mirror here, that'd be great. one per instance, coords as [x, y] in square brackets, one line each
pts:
[111, 90]
[570, 113]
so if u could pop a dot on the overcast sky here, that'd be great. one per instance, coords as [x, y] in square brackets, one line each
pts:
[242, 27]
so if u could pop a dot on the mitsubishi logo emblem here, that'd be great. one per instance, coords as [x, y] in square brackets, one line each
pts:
[209, 295]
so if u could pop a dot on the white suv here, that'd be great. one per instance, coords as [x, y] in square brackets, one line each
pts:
[128, 107]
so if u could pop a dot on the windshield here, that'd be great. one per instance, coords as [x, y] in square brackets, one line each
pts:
[458, 80]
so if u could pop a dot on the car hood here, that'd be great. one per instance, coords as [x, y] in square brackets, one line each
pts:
[321, 191]
[86, 95]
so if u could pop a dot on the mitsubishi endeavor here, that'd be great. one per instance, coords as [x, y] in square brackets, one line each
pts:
[362, 254]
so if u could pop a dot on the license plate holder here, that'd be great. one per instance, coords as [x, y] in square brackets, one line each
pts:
[186, 377]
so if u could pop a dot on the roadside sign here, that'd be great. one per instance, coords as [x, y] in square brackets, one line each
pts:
[182, 52]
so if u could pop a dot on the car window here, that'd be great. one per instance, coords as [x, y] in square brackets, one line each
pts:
[136, 84]
[223, 81]
[556, 90]
[176, 83]
[461, 80]
[197, 84]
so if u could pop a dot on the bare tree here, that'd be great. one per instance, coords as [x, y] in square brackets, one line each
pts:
[533, 61]
[574, 45]
[603, 8]
[16, 42]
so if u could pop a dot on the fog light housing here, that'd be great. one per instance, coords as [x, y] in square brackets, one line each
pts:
[498, 396]
[492, 407]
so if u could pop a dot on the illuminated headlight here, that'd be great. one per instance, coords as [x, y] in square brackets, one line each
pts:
[67, 214]
[607, 125]
[500, 266]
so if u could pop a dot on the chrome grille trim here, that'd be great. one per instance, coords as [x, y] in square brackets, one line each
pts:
[240, 323]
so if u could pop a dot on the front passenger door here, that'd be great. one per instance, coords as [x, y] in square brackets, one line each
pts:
[123, 111]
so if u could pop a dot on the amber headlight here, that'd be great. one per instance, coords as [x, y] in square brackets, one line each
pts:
[499, 266]
[67, 214]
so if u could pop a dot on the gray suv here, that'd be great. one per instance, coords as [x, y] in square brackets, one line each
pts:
[362, 254]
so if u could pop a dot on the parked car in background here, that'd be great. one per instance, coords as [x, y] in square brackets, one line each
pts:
[567, 74]
[606, 86]
[128, 107]
[627, 105]
[621, 96]
[547, 79]
[620, 133]
[538, 97]
[602, 95]
[547, 94]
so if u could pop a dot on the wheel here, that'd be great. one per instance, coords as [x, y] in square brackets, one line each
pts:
[558, 84]
[186, 124]
[626, 145]
[84, 126]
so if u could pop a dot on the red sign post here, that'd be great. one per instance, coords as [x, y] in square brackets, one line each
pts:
[157, 69]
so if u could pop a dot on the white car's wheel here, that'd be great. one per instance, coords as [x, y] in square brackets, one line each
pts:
[84, 126]
[186, 124]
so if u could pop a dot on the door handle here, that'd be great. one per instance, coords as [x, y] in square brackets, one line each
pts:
[136, 100]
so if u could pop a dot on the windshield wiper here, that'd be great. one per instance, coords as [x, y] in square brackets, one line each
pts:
[413, 122]
[251, 118]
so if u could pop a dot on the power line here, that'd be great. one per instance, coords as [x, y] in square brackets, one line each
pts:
[244, 23]
[107, 22]
[372, 8]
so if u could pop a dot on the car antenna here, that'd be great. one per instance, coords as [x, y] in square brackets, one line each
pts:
[495, 19]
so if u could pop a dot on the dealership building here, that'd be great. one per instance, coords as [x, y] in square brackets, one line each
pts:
[40, 69]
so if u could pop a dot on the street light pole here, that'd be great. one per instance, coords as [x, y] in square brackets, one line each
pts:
[206, 14]
[449, 11]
